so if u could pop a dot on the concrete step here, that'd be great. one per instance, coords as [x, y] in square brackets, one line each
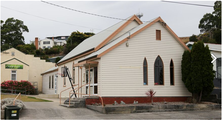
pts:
[75, 103]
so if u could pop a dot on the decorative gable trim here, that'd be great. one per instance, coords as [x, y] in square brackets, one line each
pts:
[145, 27]
[14, 59]
[134, 17]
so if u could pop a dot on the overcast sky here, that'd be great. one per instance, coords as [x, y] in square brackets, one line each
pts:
[44, 20]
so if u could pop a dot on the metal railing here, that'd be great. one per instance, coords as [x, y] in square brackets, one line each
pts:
[14, 91]
[77, 89]
[16, 98]
[64, 91]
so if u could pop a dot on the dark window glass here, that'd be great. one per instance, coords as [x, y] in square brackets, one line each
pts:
[158, 69]
[73, 78]
[49, 81]
[46, 42]
[87, 89]
[52, 81]
[95, 90]
[145, 73]
[95, 75]
[218, 73]
[171, 73]
[87, 72]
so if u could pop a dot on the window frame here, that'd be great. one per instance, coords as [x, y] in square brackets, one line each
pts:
[52, 81]
[46, 42]
[218, 60]
[14, 74]
[73, 75]
[49, 82]
[158, 34]
[155, 69]
[172, 67]
[145, 75]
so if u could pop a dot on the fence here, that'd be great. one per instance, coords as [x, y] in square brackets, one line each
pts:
[14, 91]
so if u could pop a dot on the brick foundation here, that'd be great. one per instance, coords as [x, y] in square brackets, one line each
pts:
[130, 100]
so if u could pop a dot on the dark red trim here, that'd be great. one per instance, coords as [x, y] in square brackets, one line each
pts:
[130, 100]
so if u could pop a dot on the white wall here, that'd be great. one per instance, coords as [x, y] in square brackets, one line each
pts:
[217, 55]
[45, 85]
[41, 45]
[121, 70]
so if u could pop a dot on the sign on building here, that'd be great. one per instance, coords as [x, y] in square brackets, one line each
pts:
[13, 66]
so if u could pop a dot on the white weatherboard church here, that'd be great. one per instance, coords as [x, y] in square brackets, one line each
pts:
[124, 61]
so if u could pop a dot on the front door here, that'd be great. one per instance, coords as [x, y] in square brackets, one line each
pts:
[92, 89]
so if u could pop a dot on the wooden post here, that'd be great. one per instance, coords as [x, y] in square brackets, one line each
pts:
[81, 81]
[78, 81]
[89, 80]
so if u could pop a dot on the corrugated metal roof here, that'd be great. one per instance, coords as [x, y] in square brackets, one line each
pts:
[107, 46]
[51, 69]
[212, 47]
[93, 41]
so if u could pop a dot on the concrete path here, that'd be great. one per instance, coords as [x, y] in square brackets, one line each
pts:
[52, 110]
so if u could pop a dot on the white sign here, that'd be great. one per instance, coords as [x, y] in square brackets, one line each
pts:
[13, 115]
[214, 58]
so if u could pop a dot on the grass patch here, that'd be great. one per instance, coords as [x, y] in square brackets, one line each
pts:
[24, 98]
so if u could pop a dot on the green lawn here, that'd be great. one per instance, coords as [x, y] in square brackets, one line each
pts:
[24, 98]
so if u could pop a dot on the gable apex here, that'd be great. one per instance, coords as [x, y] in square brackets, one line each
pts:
[134, 32]
[133, 18]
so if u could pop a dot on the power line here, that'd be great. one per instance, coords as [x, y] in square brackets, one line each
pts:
[48, 18]
[86, 12]
[82, 11]
[188, 3]
[55, 20]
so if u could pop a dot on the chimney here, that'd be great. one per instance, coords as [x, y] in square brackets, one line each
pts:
[36, 43]
[53, 41]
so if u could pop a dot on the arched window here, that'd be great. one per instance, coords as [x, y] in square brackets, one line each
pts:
[158, 71]
[145, 72]
[171, 73]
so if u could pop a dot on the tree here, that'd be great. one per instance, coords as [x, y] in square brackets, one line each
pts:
[197, 71]
[27, 48]
[193, 38]
[211, 22]
[57, 59]
[11, 32]
[75, 39]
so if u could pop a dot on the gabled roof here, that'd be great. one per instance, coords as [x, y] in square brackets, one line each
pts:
[50, 70]
[14, 59]
[97, 41]
[12, 49]
[212, 47]
[132, 32]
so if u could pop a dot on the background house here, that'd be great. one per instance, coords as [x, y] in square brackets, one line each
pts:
[16, 65]
[49, 43]
[59, 37]
[215, 50]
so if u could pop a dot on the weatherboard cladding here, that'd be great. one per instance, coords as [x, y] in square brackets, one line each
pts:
[121, 70]
[93, 41]
[126, 35]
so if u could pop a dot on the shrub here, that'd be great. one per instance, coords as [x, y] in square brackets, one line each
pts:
[150, 93]
[22, 86]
